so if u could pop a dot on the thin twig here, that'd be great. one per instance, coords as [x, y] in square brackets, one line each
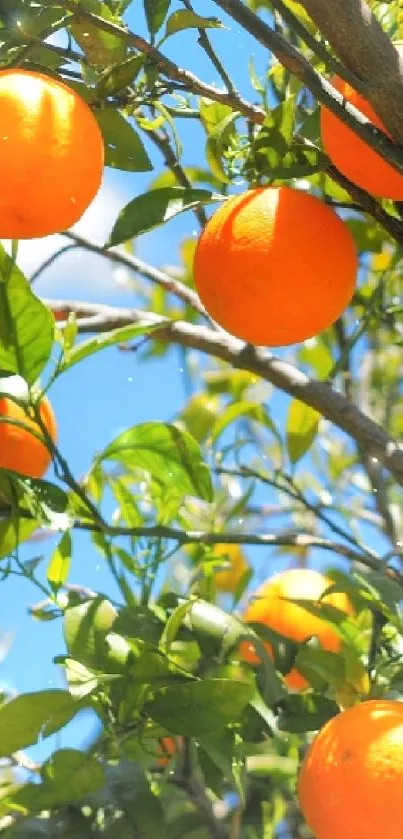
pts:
[188, 537]
[166, 66]
[205, 43]
[132, 262]
[50, 260]
[162, 141]
[188, 779]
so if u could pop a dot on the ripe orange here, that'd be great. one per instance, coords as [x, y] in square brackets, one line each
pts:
[270, 607]
[351, 780]
[355, 159]
[275, 266]
[51, 155]
[229, 578]
[167, 750]
[20, 450]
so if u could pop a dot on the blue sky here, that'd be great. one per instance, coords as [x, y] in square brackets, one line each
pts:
[111, 391]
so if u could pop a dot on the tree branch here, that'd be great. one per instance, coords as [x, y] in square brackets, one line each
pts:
[368, 204]
[166, 66]
[317, 47]
[157, 276]
[317, 84]
[189, 537]
[162, 142]
[362, 45]
[297, 64]
[332, 405]
[288, 56]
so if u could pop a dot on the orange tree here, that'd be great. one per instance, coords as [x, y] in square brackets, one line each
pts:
[273, 462]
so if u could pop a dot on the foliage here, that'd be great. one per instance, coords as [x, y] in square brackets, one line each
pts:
[250, 458]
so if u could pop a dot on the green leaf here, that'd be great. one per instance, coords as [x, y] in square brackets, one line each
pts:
[24, 719]
[212, 114]
[124, 148]
[154, 208]
[139, 622]
[249, 410]
[128, 509]
[195, 174]
[305, 712]
[221, 749]
[368, 237]
[47, 502]
[26, 324]
[119, 76]
[59, 566]
[13, 531]
[199, 414]
[185, 19]
[101, 48]
[195, 708]
[87, 630]
[302, 427]
[67, 776]
[171, 456]
[318, 356]
[156, 12]
[217, 143]
[133, 794]
[106, 339]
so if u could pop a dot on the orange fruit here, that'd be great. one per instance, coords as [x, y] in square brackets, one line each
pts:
[20, 450]
[51, 155]
[229, 578]
[351, 155]
[351, 780]
[167, 750]
[271, 607]
[275, 266]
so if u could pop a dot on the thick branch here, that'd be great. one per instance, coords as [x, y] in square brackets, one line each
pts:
[322, 89]
[288, 56]
[332, 405]
[362, 45]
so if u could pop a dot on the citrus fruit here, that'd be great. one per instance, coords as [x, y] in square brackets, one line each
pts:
[168, 746]
[351, 155]
[350, 782]
[271, 608]
[51, 155]
[229, 578]
[20, 450]
[275, 266]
